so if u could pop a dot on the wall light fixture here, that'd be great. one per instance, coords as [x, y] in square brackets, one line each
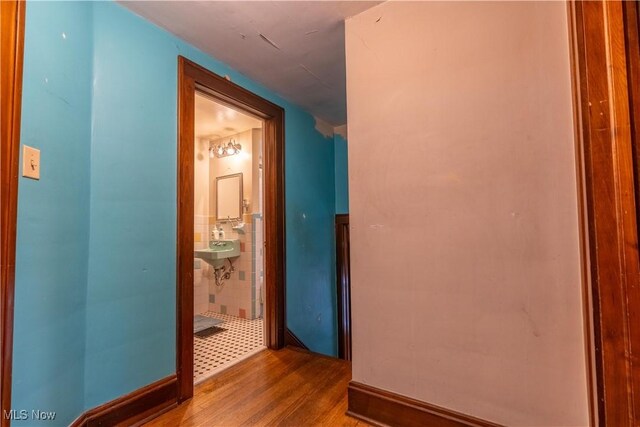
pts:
[224, 150]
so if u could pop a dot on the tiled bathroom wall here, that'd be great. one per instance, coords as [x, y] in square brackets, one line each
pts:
[237, 295]
[201, 273]
[242, 294]
[257, 273]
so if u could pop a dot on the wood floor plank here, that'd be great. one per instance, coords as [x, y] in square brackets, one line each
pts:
[281, 388]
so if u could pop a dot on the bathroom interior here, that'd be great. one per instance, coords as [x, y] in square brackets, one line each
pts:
[228, 237]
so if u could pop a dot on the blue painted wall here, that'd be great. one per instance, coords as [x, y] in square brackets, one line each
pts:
[114, 290]
[341, 175]
[53, 214]
[310, 192]
[132, 271]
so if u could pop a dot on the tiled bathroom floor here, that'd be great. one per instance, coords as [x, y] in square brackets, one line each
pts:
[241, 339]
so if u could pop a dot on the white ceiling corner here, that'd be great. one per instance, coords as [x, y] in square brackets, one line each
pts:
[294, 48]
[214, 120]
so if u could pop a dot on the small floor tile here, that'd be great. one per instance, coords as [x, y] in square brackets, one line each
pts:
[240, 337]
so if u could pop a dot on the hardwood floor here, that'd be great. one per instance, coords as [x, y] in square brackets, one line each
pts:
[288, 387]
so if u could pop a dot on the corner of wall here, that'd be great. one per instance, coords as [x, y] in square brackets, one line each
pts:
[53, 213]
[341, 169]
[88, 240]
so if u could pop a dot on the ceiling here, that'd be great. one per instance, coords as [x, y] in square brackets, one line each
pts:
[214, 120]
[294, 48]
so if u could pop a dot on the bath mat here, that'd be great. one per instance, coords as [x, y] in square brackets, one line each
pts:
[201, 322]
[209, 331]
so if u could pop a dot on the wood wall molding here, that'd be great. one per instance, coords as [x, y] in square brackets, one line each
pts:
[134, 408]
[343, 277]
[607, 205]
[632, 40]
[192, 77]
[384, 408]
[12, 15]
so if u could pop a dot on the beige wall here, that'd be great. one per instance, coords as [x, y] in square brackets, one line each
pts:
[201, 178]
[256, 163]
[202, 272]
[465, 251]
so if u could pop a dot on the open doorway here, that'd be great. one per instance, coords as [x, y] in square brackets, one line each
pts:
[228, 269]
[215, 230]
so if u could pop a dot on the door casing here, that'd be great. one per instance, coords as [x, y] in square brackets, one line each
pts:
[609, 229]
[12, 14]
[192, 78]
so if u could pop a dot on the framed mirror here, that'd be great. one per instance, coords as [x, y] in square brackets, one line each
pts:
[229, 197]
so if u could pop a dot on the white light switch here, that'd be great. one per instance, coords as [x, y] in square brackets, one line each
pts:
[30, 162]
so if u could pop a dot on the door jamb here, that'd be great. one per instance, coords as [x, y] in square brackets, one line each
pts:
[192, 77]
[607, 211]
[343, 279]
[12, 17]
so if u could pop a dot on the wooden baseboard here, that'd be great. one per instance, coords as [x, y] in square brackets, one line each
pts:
[291, 339]
[134, 408]
[384, 408]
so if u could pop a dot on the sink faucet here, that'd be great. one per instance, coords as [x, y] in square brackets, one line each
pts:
[231, 221]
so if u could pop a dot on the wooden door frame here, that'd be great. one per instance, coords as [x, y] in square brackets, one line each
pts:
[12, 15]
[632, 40]
[343, 285]
[608, 210]
[191, 78]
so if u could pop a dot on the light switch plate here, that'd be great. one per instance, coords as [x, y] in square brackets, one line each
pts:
[30, 162]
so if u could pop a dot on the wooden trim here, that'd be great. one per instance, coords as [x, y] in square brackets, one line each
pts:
[184, 309]
[587, 303]
[632, 41]
[631, 13]
[384, 408]
[12, 16]
[292, 340]
[343, 277]
[192, 77]
[608, 206]
[134, 408]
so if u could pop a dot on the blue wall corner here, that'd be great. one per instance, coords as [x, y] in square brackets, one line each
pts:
[341, 174]
[97, 314]
[132, 274]
[310, 192]
[53, 214]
